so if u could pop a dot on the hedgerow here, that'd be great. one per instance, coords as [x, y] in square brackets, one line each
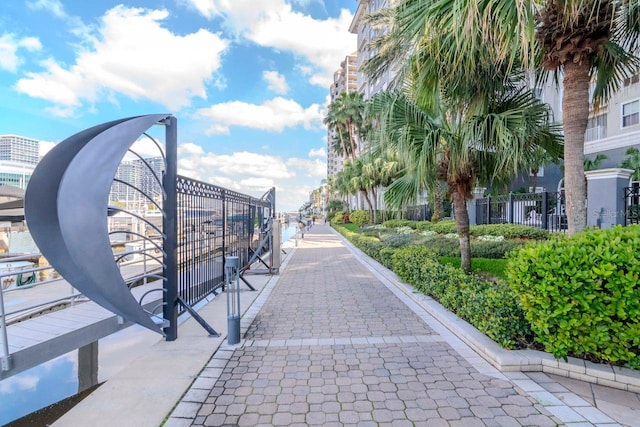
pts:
[582, 294]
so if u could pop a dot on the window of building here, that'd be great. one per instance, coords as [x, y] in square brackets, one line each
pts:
[630, 113]
[596, 128]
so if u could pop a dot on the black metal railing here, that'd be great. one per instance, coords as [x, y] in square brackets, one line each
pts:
[632, 204]
[213, 223]
[544, 210]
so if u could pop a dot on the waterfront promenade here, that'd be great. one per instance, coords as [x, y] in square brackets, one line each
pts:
[332, 343]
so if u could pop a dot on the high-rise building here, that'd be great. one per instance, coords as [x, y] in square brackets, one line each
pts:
[365, 34]
[18, 157]
[344, 81]
[142, 177]
[19, 149]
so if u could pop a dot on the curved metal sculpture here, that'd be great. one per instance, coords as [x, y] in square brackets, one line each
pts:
[66, 206]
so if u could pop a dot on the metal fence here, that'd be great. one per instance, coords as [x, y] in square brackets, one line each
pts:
[544, 210]
[214, 223]
[632, 203]
[419, 213]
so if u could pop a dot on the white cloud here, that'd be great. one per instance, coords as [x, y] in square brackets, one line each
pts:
[19, 383]
[273, 115]
[252, 173]
[44, 147]
[310, 168]
[55, 7]
[321, 43]
[190, 149]
[276, 82]
[318, 152]
[9, 46]
[129, 57]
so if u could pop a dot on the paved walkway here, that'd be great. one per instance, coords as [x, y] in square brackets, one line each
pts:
[330, 344]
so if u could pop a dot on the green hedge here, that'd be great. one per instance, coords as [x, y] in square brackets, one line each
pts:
[509, 231]
[493, 308]
[582, 294]
[360, 217]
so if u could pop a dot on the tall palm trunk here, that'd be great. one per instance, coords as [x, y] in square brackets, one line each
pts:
[462, 226]
[374, 196]
[365, 193]
[351, 138]
[575, 113]
[437, 199]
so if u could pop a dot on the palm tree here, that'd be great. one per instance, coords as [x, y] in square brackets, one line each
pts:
[581, 41]
[379, 169]
[462, 112]
[345, 116]
[593, 164]
[461, 149]
[586, 40]
[540, 158]
[334, 123]
[632, 161]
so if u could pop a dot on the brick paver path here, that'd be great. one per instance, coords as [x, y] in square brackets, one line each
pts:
[333, 346]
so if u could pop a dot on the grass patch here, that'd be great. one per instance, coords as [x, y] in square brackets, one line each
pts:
[351, 227]
[486, 267]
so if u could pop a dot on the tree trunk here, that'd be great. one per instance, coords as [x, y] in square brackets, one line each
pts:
[374, 195]
[365, 193]
[462, 226]
[534, 180]
[575, 114]
[351, 138]
[437, 199]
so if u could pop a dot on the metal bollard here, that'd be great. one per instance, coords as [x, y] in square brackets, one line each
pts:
[232, 277]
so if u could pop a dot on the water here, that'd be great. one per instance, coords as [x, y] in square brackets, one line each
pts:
[38, 387]
[57, 379]
[289, 230]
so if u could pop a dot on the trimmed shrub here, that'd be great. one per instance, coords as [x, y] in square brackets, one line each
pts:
[360, 217]
[398, 240]
[493, 308]
[510, 231]
[338, 217]
[443, 227]
[395, 223]
[386, 255]
[496, 250]
[582, 294]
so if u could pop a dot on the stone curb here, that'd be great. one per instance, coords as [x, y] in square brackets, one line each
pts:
[502, 359]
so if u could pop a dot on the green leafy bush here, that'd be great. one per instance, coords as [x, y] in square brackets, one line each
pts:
[397, 240]
[443, 227]
[509, 231]
[337, 217]
[582, 294]
[360, 217]
[386, 255]
[395, 223]
[493, 308]
[496, 250]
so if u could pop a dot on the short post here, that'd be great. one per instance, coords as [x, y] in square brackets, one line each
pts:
[232, 270]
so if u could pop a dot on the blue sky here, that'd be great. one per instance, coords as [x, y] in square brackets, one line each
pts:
[248, 80]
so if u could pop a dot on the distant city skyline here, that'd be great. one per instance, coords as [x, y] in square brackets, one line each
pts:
[248, 81]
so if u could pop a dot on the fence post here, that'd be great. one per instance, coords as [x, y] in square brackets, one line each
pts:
[545, 210]
[170, 229]
[489, 214]
[605, 196]
[510, 202]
